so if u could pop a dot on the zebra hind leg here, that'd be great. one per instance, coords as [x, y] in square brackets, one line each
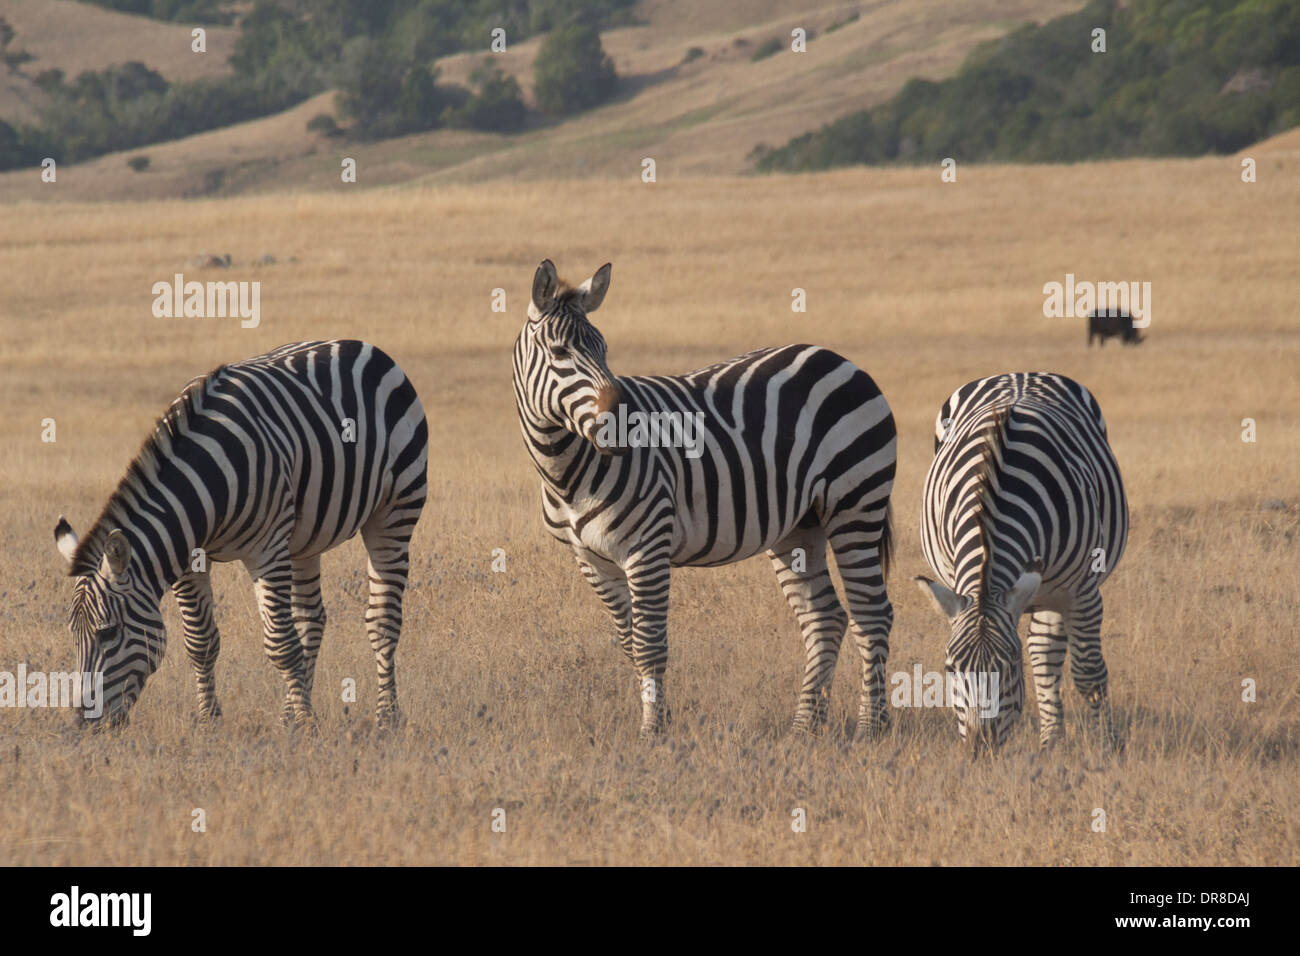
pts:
[801, 569]
[309, 619]
[860, 541]
[388, 568]
[273, 579]
[1088, 671]
[202, 640]
[1047, 643]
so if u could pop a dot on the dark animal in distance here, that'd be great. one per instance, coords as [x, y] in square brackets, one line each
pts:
[1103, 323]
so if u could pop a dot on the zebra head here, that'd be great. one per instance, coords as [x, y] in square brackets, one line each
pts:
[984, 661]
[117, 625]
[561, 378]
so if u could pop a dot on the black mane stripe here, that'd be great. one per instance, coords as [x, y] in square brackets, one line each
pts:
[173, 424]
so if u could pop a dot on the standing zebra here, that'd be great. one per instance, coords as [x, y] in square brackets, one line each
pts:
[270, 461]
[787, 450]
[1024, 510]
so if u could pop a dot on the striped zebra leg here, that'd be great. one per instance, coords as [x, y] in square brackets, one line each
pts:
[273, 580]
[202, 640]
[389, 566]
[1047, 643]
[648, 579]
[802, 570]
[611, 587]
[308, 617]
[858, 544]
[1088, 669]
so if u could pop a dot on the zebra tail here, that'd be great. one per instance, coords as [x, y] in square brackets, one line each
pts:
[887, 543]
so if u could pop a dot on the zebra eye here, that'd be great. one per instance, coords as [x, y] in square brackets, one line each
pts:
[559, 352]
[106, 633]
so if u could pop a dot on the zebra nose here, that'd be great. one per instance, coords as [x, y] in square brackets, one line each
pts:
[608, 398]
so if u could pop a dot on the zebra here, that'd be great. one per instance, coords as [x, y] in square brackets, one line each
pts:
[793, 450]
[1023, 511]
[269, 461]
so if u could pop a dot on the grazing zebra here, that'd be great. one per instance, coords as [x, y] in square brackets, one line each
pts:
[270, 461]
[786, 450]
[1024, 510]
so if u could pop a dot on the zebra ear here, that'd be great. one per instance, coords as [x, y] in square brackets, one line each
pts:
[948, 602]
[594, 289]
[1022, 592]
[117, 552]
[65, 539]
[545, 284]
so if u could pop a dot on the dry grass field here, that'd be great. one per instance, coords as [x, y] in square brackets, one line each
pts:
[516, 695]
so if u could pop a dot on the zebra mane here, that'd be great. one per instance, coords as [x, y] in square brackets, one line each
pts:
[565, 297]
[990, 454]
[173, 424]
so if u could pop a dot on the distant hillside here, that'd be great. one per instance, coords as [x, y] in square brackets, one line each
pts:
[1175, 78]
[74, 37]
[692, 97]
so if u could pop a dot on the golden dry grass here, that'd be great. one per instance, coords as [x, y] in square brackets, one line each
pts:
[516, 694]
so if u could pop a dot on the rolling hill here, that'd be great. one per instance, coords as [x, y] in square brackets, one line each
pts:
[704, 116]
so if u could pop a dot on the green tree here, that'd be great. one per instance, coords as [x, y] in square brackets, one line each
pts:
[572, 72]
[497, 103]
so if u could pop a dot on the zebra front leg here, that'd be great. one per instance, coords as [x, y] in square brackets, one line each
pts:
[273, 580]
[309, 619]
[801, 569]
[648, 578]
[388, 568]
[610, 585]
[858, 546]
[202, 640]
[1088, 670]
[1047, 644]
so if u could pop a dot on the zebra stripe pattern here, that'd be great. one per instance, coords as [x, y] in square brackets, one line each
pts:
[1024, 511]
[271, 461]
[783, 450]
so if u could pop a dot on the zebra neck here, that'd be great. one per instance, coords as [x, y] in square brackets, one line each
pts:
[563, 460]
[163, 548]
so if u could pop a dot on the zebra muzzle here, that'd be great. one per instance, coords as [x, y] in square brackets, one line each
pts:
[604, 429]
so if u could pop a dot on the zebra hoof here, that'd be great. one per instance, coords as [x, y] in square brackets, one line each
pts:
[807, 728]
[390, 720]
[872, 729]
[304, 724]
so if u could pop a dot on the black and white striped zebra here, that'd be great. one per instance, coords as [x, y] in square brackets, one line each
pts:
[1024, 510]
[270, 461]
[792, 449]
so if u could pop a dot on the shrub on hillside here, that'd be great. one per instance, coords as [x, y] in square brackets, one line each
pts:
[765, 49]
[572, 72]
[1216, 78]
[496, 104]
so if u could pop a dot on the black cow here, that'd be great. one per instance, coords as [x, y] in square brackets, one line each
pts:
[1103, 323]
